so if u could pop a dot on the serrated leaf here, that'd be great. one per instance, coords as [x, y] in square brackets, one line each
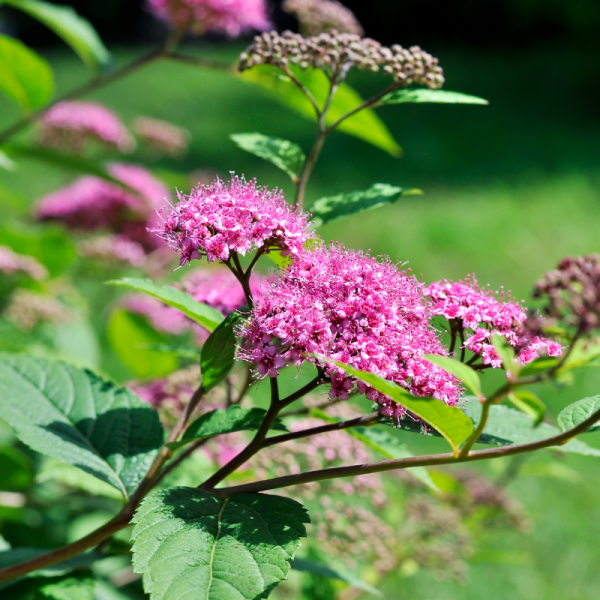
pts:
[310, 566]
[429, 96]
[450, 421]
[329, 209]
[381, 442]
[189, 543]
[365, 125]
[507, 354]
[285, 155]
[78, 418]
[220, 421]
[76, 31]
[578, 412]
[510, 426]
[218, 352]
[528, 403]
[24, 75]
[461, 371]
[199, 312]
[131, 337]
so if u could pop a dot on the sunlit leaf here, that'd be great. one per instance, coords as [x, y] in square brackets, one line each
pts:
[507, 355]
[329, 209]
[429, 96]
[579, 411]
[24, 75]
[528, 403]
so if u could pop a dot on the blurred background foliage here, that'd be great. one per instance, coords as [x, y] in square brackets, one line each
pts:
[509, 189]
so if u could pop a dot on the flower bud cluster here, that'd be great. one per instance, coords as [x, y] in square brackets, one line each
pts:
[220, 219]
[468, 307]
[333, 51]
[12, 263]
[161, 136]
[318, 16]
[572, 292]
[348, 306]
[113, 250]
[72, 126]
[28, 309]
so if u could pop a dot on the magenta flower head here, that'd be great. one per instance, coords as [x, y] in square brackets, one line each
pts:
[73, 125]
[481, 314]
[350, 307]
[12, 263]
[162, 137]
[231, 17]
[220, 219]
[220, 289]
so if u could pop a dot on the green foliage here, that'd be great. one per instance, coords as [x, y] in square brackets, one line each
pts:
[578, 412]
[507, 426]
[24, 75]
[16, 469]
[449, 421]
[199, 312]
[218, 352]
[285, 155]
[6, 163]
[323, 570]
[219, 421]
[190, 543]
[76, 31]
[507, 354]
[461, 371]
[329, 209]
[429, 96]
[365, 125]
[75, 416]
[528, 403]
[132, 338]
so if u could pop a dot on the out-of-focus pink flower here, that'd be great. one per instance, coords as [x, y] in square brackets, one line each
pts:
[466, 305]
[350, 307]
[220, 289]
[231, 17]
[162, 136]
[72, 125]
[11, 263]
[318, 16]
[113, 249]
[220, 219]
[27, 309]
[162, 317]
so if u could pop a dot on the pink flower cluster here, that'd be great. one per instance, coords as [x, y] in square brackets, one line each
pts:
[91, 203]
[348, 306]
[231, 17]
[464, 304]
[113, 249]
[72, 125]
[11, 263]
[219, 219]
[162, 136]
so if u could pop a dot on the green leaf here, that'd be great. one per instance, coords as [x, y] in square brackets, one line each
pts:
[16, 469]
[24, 75]
[199, 312]
[130, 336]
[461, 371]
[75, 416]
[429, 96]
[286, 155]
[507, 426]
[530, 404]
[218, 352]
[329, 209]
[450, 421]
[220, 421]
[76, 31]
[365, 125]
[507, 354]
[180, 351]
[192, 544]
[383, 443]
[79, 587]
[578, 412]
[6, 163]
[310, 566]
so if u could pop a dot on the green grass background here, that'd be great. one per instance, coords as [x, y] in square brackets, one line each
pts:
[509, 189]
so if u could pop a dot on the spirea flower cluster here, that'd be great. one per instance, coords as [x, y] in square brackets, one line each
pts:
[468, 307]
[71, 126]
[348, 306]
[231, 17]
[161, 136]
[12, 263]
[113, 250]
[27, 309]
[333, 51]
[572, 292]
[318, 16]
[219, 219]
